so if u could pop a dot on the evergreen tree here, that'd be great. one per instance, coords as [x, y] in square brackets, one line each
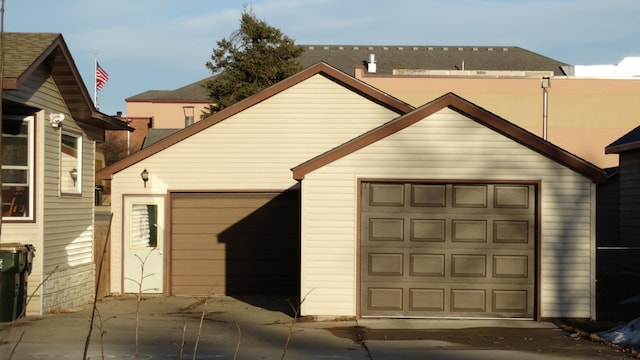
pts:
[255, 57]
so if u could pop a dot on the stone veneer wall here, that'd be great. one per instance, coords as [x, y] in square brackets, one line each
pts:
[69, 288]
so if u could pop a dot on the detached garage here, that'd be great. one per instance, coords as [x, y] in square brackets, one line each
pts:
[217, 211]
[448, 211]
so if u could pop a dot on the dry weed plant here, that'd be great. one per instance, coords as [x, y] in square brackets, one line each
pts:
[139, 294]
[292, 324]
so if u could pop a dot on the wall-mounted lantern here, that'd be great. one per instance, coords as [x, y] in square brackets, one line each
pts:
[74, 175]
[145, 177]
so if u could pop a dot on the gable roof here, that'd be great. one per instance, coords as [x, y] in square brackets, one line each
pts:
[629, 141]
[322, 69]
[26, 52]
[194, 92]
[478, 114]
[155, 135]
[388, 58]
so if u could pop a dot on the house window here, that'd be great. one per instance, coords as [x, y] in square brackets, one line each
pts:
[17, 167]
[70, 163]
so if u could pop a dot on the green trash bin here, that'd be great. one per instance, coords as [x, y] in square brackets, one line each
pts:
[13, 261]
[29, 252]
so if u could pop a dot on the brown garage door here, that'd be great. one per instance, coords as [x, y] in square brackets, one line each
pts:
[447, 250]
[234, 243]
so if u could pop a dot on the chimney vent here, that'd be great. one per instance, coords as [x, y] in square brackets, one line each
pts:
[371, 63]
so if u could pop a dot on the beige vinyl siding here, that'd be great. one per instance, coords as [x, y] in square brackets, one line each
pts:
[254, 149]
[64, 222]
[447, 146]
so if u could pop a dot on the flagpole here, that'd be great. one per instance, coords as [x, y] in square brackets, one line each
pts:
[95, 81]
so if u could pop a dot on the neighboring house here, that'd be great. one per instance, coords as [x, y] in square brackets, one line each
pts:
[509, 218]
[618, 231]
[49, 130]
[167, 107]
[170, 109]
[550, 98]
[627, 197]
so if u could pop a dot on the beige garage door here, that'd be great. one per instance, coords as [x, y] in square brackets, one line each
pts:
[234, 243]
[447, 250]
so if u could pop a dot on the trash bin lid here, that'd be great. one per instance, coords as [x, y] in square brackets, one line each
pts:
[13, 247]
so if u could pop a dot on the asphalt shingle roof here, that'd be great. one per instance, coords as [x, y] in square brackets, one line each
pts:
[346, 58]
[23, 49]
[388, 58]
[25, 52]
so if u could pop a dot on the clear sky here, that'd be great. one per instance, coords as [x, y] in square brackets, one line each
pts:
[164, 44]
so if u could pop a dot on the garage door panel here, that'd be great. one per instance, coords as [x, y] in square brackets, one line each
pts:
[427, 265]
[386, 264]
[428, 230]
[469, 231]
[390, 195]
[247, 242]
[223, 201]
[448, 250]
[195, 229]
[386, 298]
[469, 300]
[466, 265]
[512, 231]
[469, 196]
[192, 267]
[512, 197]
[197, 242]
[511, 266]
[386, 229]
[200, 254]
[428, 195]
[427, 300]
[510, 301]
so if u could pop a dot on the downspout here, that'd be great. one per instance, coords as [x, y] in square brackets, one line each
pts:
[546, 83]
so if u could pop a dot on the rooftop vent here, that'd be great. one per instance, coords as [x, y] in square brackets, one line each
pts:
[371, 63]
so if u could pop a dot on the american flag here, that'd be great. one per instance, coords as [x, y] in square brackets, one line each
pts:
[101, 77]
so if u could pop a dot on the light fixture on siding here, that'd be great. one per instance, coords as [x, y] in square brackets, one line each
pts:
[145, 177]
[56, 120]
[188, 115]
[74, 175]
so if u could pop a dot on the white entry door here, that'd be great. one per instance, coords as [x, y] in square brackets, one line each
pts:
[143, 244]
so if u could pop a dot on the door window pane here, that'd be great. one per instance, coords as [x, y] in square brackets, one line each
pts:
[144, 226]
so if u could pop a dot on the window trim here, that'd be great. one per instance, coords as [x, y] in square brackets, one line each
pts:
[31, 148]
[64, 175]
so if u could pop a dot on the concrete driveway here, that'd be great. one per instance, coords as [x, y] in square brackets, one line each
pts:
[258, 328]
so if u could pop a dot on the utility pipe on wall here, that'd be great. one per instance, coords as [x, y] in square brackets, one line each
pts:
[546, 83]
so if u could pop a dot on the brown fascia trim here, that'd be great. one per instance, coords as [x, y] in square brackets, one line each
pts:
[365, 90]
[622, 148]
[466, 108]
[339, 77]
[367, 138]
[10, 84]
[530, 140]
[170, 101]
